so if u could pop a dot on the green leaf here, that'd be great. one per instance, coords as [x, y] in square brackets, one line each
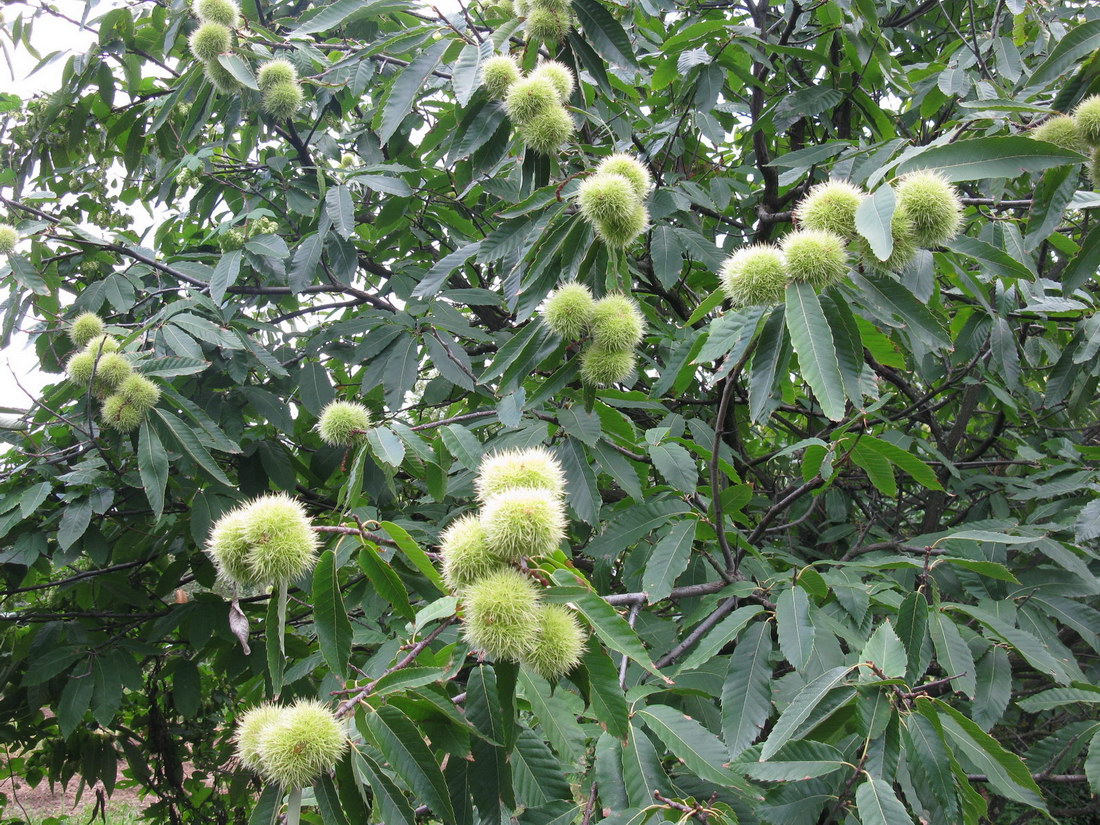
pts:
[267, 806]
[537, 772]
[895, 305]
[610, 627]
[676, 465]
[642, 769]
[700, 750]
[1092, 763]
[929, 764]
[557, 722]
[884, 649]
[796, 630]
[746, 691]
[340, 210]
[386, 445]
[1079, 41]
[874, 219]
[465, 74]
[985, 536]
[75, 700]
[414, 554]
[905, 461]
[953, 653]
[990, 157]
[1058, 697]
[74, 522]
[1036, 653]
[237, 67]
[186, 438]
[631, 525]
[1007, 773]
[403, 746]
[225, 272]
[273, 635]
[387, 583]
[328, 801]
[332, 15]
[878, 468]
[484, 710]
[800, 708]
[993, 260]
[392, 804]
[399, 100]
[668, 560]
[771, 357]
[719, 636]
[667, 258]
[994, 688]
[306, 259]
[913, 630]
[186, 688]
[878, 804]
[989, 569]
[605, 696]
[605, 33]
[813, 341]
[330, 619]
[153, 466]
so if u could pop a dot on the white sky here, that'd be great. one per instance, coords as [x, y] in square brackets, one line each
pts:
[48, 34]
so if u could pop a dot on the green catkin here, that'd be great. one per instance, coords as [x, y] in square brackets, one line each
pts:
[601, 368]
[529, 98]
[1087, 115]
[631, 169]
[344, 423]
[465, 553]
[831, 207]
[498, 74]
[558, 644]
[933, 206]
[209, 41]
[815, 257]
[282, 545]
[568, 311]
[501, 616]
[523, 522]
[9, 237]
[617, 324]
[305, 741]
[754, 276]
[86, 327]
[534, 468]
[222, 12]
[1062, 131]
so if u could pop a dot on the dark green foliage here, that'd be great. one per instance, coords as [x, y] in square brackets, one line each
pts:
[833, 557]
